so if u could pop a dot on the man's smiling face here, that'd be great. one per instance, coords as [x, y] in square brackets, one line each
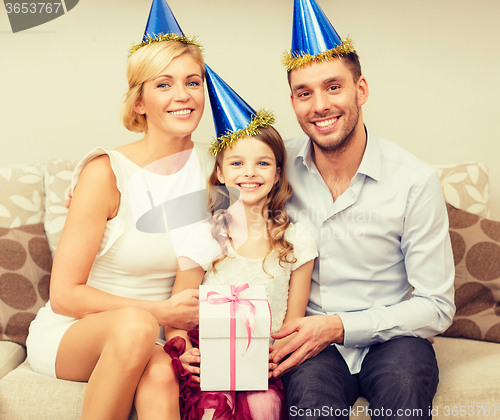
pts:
[327, 102]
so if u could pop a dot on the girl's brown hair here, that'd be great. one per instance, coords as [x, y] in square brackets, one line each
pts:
[273, 211]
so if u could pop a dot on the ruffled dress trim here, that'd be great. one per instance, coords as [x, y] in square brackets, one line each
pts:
[193, 402]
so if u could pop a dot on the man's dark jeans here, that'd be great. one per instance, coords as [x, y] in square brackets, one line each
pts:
[399, 379]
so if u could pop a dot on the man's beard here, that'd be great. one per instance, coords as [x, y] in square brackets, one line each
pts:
[344, 139]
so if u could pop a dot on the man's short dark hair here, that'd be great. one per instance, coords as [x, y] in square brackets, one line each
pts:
[352, 63]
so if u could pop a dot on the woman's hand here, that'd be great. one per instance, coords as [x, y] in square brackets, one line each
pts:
[191, 362]
[183, 310]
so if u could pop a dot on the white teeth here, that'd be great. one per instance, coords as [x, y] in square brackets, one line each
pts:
[325, 123]
[249, 185]
[181, 112]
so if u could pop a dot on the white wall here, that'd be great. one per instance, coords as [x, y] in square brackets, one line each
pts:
[432, 67]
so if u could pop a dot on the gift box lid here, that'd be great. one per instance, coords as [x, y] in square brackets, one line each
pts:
[215, 317]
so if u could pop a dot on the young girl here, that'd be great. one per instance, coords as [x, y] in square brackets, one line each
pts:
[274, 253]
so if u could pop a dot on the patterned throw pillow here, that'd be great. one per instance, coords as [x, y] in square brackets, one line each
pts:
[25, 264]
[21, 195]
[476, 251]
[58, 175]
[466, 186]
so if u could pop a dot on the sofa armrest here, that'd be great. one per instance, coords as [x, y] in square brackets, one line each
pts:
[27, 395]
[11, 356]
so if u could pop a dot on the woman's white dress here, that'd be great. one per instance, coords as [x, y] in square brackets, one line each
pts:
[130, 263]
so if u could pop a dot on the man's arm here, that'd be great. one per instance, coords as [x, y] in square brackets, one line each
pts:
[430, 269]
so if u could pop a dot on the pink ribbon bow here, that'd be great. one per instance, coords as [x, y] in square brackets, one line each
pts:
[235, 302]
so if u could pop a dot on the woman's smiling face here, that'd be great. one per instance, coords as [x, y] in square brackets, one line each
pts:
[173, 102]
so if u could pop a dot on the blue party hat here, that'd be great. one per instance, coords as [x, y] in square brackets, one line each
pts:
[233, 117]
[161, 21]
[162, 26]
[313, 38]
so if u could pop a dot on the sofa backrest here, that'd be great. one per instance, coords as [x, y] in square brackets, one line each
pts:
[35, 193]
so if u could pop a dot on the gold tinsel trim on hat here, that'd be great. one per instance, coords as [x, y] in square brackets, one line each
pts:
[168, 37]
[296, 60]
[264, 118]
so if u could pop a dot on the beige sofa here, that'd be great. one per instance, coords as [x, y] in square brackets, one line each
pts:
[32, 199]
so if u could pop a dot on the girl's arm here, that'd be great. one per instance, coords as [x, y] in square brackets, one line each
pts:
[95, 201]
[298, 297]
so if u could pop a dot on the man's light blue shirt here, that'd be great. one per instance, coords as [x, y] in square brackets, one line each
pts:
[385, 262]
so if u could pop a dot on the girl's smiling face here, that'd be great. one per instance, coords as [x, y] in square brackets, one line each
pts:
[250, 166]
[173, 102]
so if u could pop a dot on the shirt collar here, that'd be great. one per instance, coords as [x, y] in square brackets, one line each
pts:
[304, 154]
[370, 163]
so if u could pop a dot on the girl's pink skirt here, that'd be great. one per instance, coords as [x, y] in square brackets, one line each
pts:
[230, 405]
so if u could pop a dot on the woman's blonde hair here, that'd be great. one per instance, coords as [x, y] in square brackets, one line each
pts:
[274, 209]
[145, 64]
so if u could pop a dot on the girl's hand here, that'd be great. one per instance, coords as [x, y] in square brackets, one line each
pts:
[191, 361]
[272, 365]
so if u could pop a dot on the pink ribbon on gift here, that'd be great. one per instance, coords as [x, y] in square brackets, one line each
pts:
[235, 301]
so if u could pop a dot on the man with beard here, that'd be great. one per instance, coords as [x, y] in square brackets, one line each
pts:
[383, 281]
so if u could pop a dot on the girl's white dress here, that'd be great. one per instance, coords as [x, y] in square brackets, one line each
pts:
[201, 247]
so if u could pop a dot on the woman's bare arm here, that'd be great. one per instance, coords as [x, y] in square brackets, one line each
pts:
[95, 201]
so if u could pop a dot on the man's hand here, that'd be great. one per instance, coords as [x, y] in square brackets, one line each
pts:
[272, 365]
[314, 333]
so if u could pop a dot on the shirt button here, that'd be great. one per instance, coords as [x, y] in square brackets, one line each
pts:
[326, 256]
[326, 289]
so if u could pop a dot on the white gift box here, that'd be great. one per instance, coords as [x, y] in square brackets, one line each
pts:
[226, 362]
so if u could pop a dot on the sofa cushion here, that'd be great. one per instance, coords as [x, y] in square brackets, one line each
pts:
[468, 381]
[476, 250]
[466, 186]
[27, 395]
[58, 175]
[21, 195]
[25, 264]
[467, 377]
[11, 356]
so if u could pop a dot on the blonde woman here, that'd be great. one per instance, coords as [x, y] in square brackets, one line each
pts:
[111, 283]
